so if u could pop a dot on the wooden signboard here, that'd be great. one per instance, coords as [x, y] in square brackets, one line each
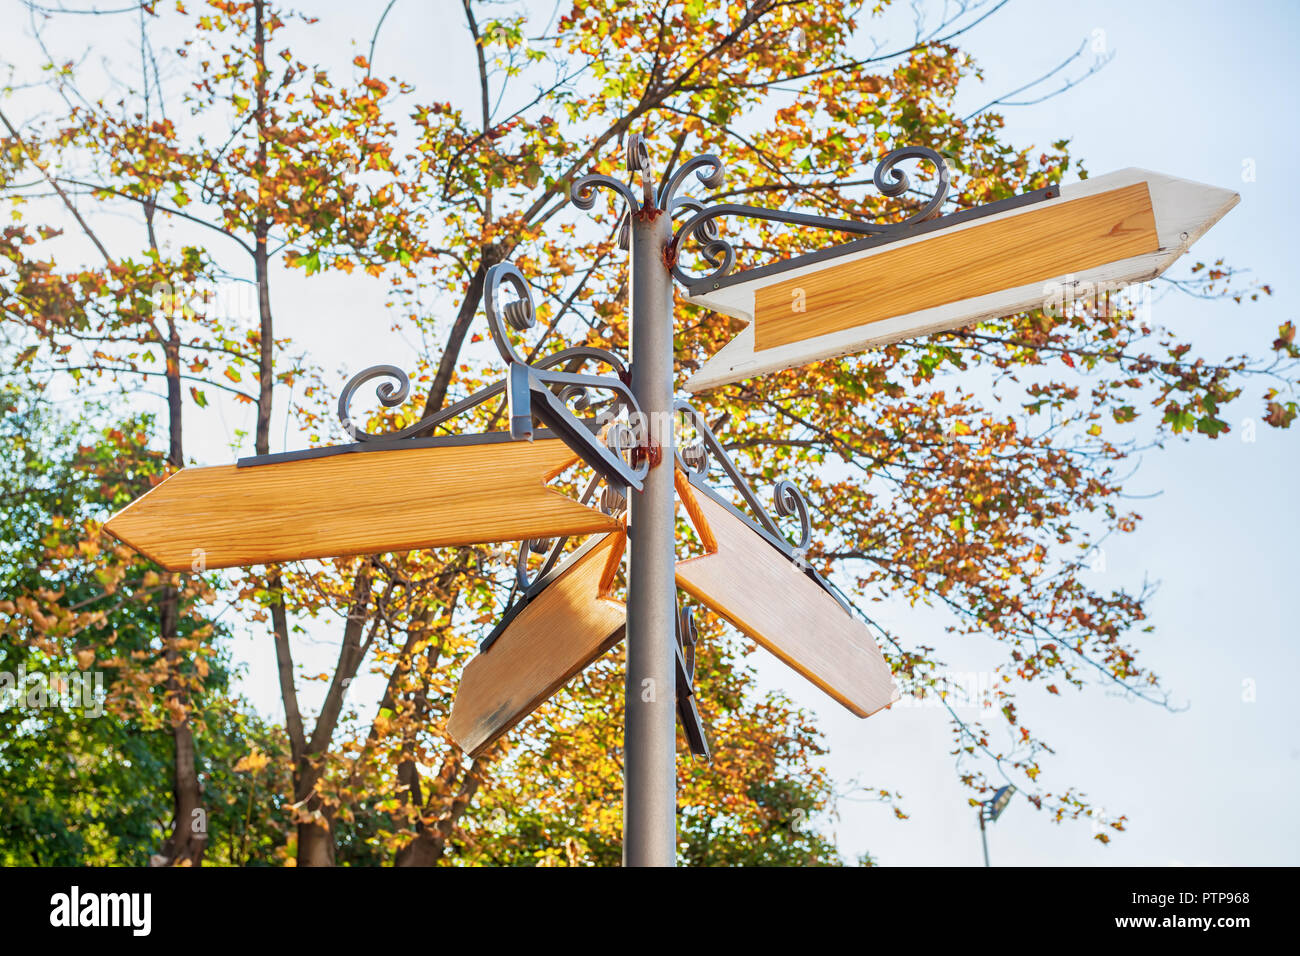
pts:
[330, 505]
[1121, 228]
[568, 622]
[758, 589]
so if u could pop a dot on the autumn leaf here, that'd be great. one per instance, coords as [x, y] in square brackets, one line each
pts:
[253, 762]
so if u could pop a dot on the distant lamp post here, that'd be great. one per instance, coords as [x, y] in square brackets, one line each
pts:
[990, 810]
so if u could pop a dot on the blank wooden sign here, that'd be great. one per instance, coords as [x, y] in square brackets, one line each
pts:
[358, 503]
[749, 582]
[1121, 228]
[567, 625]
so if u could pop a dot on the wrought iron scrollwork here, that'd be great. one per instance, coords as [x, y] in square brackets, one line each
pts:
[888, 179]
[788, 500]
[552, 547]
[583, 191]
[696, 458]
[687, 712]
[390, 396]
[709, 169]
[533, 389]
[537, 390]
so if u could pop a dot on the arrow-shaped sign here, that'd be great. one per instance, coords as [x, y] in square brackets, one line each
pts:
[565, 623]
[430, 493]
[758, 589]
[1121, 228]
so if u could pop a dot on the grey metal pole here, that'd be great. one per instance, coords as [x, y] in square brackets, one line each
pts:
[983, 836]
[650, 723]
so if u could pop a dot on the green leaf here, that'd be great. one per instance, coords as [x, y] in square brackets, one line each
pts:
[310, 262]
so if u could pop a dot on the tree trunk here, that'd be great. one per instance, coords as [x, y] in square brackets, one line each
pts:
[430, 841]
[490, 256]
[189, 836]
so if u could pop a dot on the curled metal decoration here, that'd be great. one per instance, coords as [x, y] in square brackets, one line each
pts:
[524, 580]
[390, 396]
[637, 154]
[621, 439]
[520, 315]
[709, 169]
[892, 181]
[532, 387]
[695, 460]
[788, 500]
[716, 251]
[612, 502]
[887, 178]
[583, 191]
[638, 161]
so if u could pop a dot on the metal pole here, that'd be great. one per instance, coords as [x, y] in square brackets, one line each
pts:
[649, 722]
[983, 836]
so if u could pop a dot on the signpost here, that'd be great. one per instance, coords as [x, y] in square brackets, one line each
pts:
[562, 624]
[412, 488]
[291, 508]
[785, 609]
[992, 261]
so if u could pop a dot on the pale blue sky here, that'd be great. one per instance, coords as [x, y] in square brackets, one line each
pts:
[1194, 89]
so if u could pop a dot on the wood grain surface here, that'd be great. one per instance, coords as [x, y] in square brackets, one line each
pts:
[360, 503]
[557, 634]
[751, 584]
[1031, 247]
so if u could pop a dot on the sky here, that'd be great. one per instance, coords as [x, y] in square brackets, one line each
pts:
[1204, 91]
[1200, 90]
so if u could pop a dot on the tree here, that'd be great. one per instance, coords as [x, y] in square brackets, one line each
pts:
[271, 181]
[87, 725]
[969, 471]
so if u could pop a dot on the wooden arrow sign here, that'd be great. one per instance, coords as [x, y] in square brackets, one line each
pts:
[1125, 227]
[432, 494]
[758, 589]
[568, 622]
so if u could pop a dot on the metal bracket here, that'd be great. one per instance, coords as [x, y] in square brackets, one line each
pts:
[687, 713]
[531, 387]
[531, 398]
[889, 181]
[694, 461]
[549, 574]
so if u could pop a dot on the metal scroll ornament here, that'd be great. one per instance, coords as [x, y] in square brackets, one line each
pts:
[696, 458]
[718, 253]
[540, 389]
